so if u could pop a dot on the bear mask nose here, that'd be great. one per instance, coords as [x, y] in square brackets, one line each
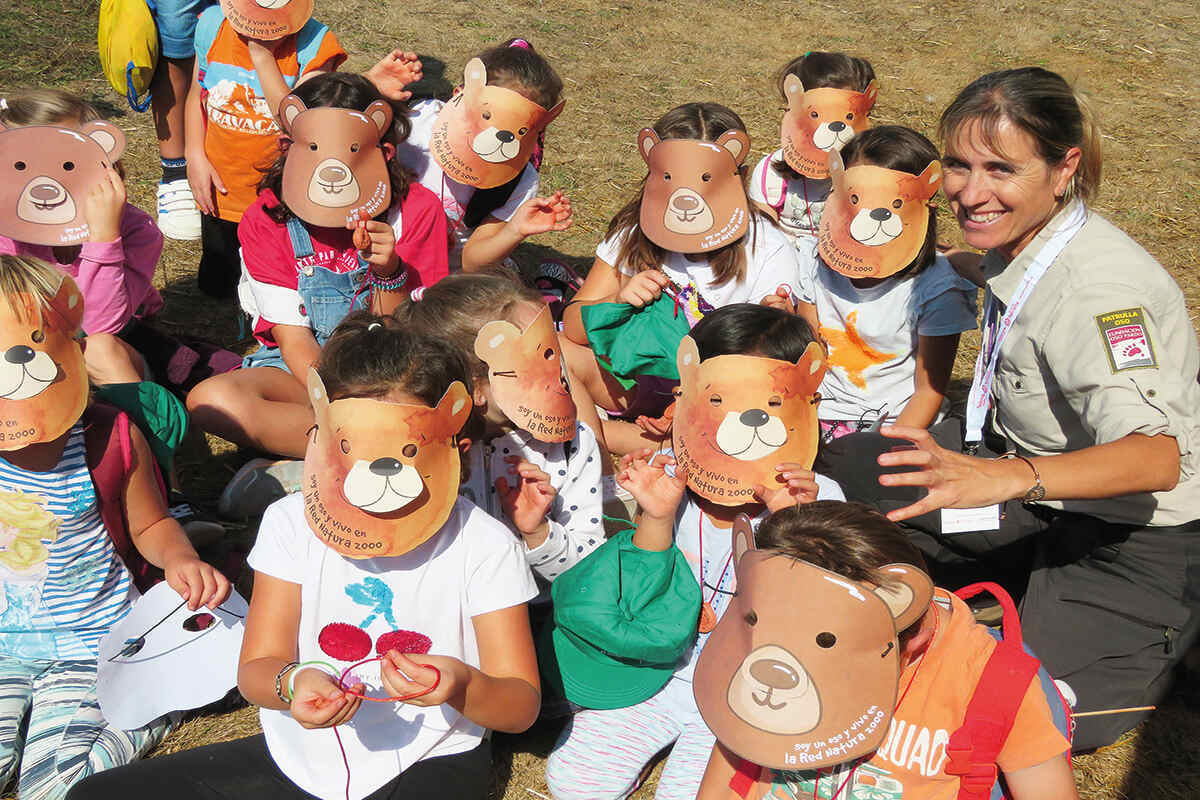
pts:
[837, 127]
[19, 354]
[755, 418]
[332, 174]
[386, 467]
[686, 203]
[45, 192]
[775, 674]
[505, 136]
[880, 214]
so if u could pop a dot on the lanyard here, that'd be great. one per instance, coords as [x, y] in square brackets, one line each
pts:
[996, 326]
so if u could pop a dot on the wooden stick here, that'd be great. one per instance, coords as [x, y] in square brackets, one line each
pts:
[1112, 711]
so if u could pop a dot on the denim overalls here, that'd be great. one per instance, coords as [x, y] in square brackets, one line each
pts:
[327, 296]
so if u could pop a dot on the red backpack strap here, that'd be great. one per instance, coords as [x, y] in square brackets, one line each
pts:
[110, 460]
[992, 710]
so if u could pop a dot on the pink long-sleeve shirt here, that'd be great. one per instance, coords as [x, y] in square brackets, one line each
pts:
[115, 277]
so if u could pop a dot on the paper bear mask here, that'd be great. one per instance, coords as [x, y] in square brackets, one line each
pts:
[335, 172]
[694, 200]
[485, 135]
[738, 417]
[267, 20]
[43, 380]
[528, 376]
[46, 173]
[802, 670]
[875, 220]
[820, 121]
[381, 478]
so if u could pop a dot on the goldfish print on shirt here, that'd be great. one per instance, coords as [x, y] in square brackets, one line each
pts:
[850, 353]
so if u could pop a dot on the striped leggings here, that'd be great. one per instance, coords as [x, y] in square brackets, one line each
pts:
[600, 754]
[65, 738]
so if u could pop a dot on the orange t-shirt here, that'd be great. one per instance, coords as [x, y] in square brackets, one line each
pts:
[241, 135]
[910, 762]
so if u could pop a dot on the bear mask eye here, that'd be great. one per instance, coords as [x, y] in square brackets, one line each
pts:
[487, 115]
[714, 400]
[345, 445]
[826, 639]
[354, 147]
[706, 177]
[814, 114]
[312, 146]
[751, 618]
[850, 117]
[775, 402]
[897, 203]
[38, 337]
[20, 166]
[409, 450]
[666, 176]
[523, 131]
[549, 354]
[854, 199]
[68, 165]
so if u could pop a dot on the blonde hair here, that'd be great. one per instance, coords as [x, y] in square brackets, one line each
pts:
[1042, 104]
[46, 107]
[32, 277]
[31, 524]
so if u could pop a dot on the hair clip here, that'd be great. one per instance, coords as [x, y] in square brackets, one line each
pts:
[416, 294]
[3, 104]
[521, 43]
[373, 326]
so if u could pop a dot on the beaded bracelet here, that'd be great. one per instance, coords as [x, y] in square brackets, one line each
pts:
[332, 670]
[389, 284]
[279, 681]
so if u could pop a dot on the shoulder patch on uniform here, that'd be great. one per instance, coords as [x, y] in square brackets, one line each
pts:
[1126, 339]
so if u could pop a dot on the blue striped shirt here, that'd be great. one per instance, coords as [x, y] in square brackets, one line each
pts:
[64, 586]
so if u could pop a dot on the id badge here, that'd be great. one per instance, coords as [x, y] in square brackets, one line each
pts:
[968, 520]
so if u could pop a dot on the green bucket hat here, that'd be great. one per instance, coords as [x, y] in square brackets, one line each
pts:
[622, 618]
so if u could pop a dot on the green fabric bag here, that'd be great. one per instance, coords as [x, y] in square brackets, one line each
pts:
[632, 341]
[160, 416]
[622, 618]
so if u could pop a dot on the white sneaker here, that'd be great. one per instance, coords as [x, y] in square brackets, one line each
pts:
[178, 216]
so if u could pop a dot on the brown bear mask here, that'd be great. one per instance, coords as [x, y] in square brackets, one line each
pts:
[738, 417]
[46, 173]
[693, 200]
[43, 381]
[528, 376]
[485, 135]
[802, 670]
[381, 478]
[336, 171]
[820, 121]
[875, 220]
[267, 20]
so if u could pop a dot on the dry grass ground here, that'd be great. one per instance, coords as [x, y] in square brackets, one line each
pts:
[625, 62]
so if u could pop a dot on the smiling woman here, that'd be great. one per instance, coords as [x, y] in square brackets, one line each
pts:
[1089, 370]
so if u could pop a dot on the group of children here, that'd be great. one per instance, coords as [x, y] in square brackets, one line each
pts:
[446, 435]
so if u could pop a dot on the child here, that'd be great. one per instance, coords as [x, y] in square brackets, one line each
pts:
[602, 753]
[540, 479]
[792, 183]
[630, 267]
[445, 612]
[115, 267]
[64, 582]
[231, 131]
[831, 555]
[296, 300]
[892, 335]
[487, 224]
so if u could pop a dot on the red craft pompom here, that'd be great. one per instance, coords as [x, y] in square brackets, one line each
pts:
[403, 641]
[344, 642]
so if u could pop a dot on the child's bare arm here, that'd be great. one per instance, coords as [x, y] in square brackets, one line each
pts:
[1050, 780]
[160, 540]
[298, 347]
[935, 360]
[274, 87]
[201, 176]
[600, 286]
[495, 239]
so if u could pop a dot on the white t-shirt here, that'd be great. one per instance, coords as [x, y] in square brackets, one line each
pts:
[414, 153]
[576, 517]
[472, 566]
[771, 262]
[872, 333]
[799, 201]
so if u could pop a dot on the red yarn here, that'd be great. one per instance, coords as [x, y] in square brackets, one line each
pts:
[344, 642]
[403, 641]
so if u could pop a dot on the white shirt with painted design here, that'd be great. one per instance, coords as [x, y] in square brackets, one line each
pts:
[799, 201]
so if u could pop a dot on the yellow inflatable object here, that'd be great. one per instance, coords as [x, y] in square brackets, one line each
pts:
[128, 41]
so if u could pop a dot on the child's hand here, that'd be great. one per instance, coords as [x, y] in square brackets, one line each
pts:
[643, 288]
[103, 207]
[453, 680]
[395, 71]
[198, 582]
[527, 502]
[781, 299]
[798, 485]
[660, 426]
[377, 242]
[542, 215]
[319, 702]
[204, 180]
[644, 475]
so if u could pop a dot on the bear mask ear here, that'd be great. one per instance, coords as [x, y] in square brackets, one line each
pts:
[909, 594]
[110, 138]
[474, 79]
[647, 139]
[494, 338]
[743, 538]
[793, 90]
[737, 143]
[930, 180]
[687, 360]
[290, 108]
[868, 98]
[552, 114]
[812, 367]
[380, 113]
[318, 397]
[837, 168]
[453, 409]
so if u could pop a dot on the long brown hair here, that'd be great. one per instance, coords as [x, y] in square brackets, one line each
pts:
[705, 122]
[52, 107]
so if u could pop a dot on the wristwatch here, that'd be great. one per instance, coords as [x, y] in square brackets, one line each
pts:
[1038, 490]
